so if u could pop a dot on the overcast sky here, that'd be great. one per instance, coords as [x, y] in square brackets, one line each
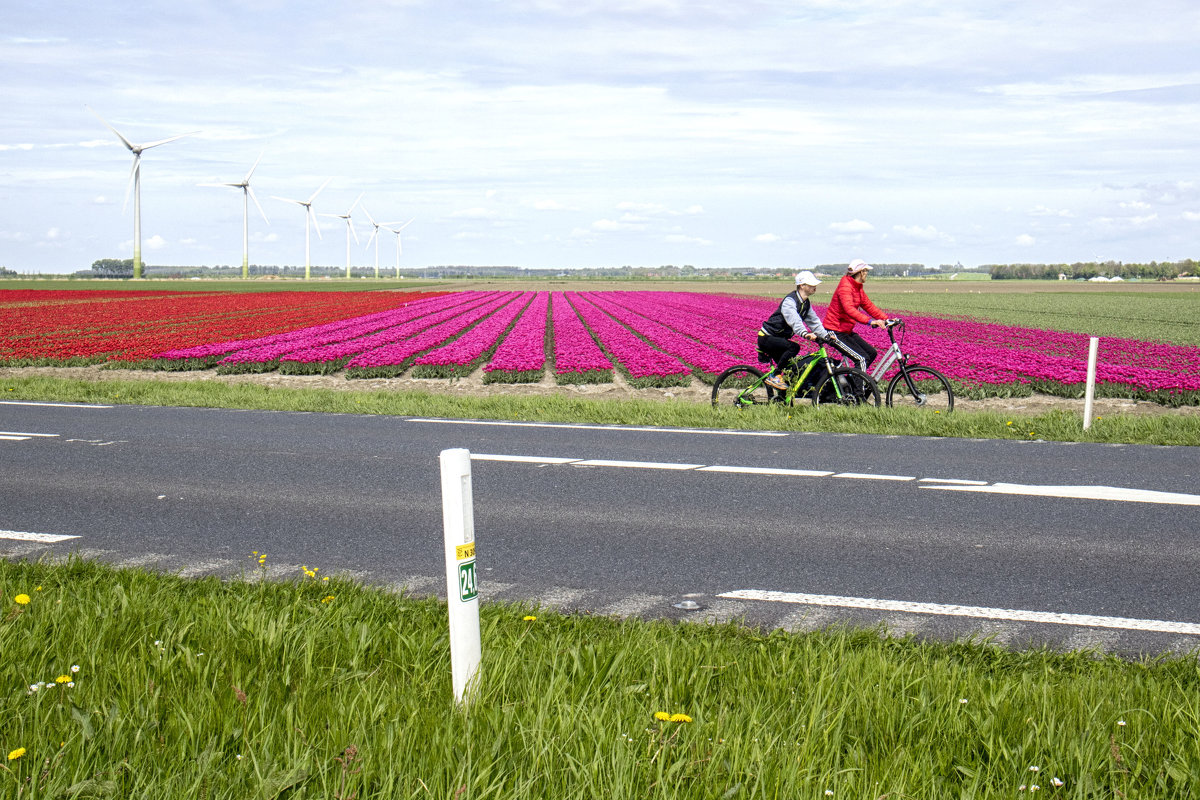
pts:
[571, 133]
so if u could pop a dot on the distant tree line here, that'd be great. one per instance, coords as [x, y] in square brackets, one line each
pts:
[1154, 270]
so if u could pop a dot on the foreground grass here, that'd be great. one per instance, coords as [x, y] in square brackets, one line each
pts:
[1164, 429]
[328, 689]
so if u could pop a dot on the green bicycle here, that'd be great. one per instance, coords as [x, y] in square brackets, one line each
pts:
[816, 376]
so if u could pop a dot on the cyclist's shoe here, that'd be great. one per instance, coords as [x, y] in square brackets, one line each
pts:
[776, 382]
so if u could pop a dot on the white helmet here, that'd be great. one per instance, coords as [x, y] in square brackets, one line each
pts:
[857, 265]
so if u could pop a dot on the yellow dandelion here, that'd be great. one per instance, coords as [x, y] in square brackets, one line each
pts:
[662, 716]
[15, 754]
[680, 718]
[530, 618]
[62, 679]
[327, 599]
[21, 599]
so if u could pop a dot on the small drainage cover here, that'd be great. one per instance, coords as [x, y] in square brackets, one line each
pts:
[687, 605]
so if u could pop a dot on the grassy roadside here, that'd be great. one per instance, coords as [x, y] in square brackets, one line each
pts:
[1163, 429]
[124, 683]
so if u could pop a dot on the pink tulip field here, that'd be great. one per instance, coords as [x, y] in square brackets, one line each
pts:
[667, 339]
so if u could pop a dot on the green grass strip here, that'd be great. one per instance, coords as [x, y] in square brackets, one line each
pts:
[126, 683]
[1160, 429]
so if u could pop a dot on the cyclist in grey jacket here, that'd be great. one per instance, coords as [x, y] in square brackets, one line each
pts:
[794, 315]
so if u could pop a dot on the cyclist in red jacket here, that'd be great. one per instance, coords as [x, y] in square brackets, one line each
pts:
[849, 306]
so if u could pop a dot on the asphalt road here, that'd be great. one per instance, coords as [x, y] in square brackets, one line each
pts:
[1025, 542]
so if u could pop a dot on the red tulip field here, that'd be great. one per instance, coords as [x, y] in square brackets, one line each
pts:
[653, 338]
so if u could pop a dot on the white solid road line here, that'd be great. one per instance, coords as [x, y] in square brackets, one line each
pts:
[524, 459]
[1081, 493]
[52, 405]
[946, 484]
[866, 476]
[796, 473]
[600, 462]
[618, 428]
[19, 436]
[25, 536]
[937, 609]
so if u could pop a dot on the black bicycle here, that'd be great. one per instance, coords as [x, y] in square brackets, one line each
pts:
[817, 376]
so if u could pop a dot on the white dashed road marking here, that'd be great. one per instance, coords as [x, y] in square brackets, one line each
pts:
[45, 538]
[937, 609]
[1111, 493]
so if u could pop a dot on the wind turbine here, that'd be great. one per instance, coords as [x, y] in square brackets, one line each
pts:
[397, 232]
[247, 196]
[135, 179]
[308, 216]
[349, 230]
[375, 237]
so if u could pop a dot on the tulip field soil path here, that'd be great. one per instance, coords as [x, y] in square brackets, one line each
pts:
[619, 389]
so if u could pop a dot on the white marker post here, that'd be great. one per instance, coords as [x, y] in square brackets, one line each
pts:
[1090, 392]
[462, 595]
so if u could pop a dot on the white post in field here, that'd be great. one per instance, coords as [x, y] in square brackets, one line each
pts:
[1090, 392]
[462, 595]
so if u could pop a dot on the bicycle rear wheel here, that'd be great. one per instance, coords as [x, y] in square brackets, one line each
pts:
[740, 387]
[853, 388]
[924, 388]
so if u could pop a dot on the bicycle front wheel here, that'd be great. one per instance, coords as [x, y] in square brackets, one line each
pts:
[921, 387]
[741, 387]
[847, 387]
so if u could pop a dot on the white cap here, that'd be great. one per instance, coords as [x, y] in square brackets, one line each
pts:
[807, 278]
[857, 265]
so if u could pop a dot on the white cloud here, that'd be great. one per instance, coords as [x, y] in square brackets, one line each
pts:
[679, 238]
[768, 238]
[1192, 216]
[1043, 211]
[1135, 205]
[548, 205]
[922, 234]
[155, 242]
[475, 213]
[1025, 240]
[694, 210]
[851, 226]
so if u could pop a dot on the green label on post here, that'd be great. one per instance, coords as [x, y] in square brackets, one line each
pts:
[467, 589]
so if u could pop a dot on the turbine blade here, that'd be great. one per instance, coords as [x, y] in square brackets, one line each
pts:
[360, 197]
[133, 176]
[318, 191]
[287, 200]
[124, 141]
[369, 217]
[251, 172]
[250, 192]
[170, 139]
[314, 221]
[374, 234]
[350, 226]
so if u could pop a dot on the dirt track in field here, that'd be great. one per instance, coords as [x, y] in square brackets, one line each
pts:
[619, 389]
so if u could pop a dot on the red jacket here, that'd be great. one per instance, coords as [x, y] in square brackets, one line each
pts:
[843, 311]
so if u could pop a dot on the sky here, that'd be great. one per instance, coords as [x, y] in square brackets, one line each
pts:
[581, 133]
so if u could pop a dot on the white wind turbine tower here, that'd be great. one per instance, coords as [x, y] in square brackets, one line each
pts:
[247, 196]
[375, 236]
[135, 179]
[309, 216]
[349, 230]
[397, 232]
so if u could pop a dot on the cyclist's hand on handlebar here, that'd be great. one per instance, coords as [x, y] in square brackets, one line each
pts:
[894, 321]
[812, 337]
[878, 323]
